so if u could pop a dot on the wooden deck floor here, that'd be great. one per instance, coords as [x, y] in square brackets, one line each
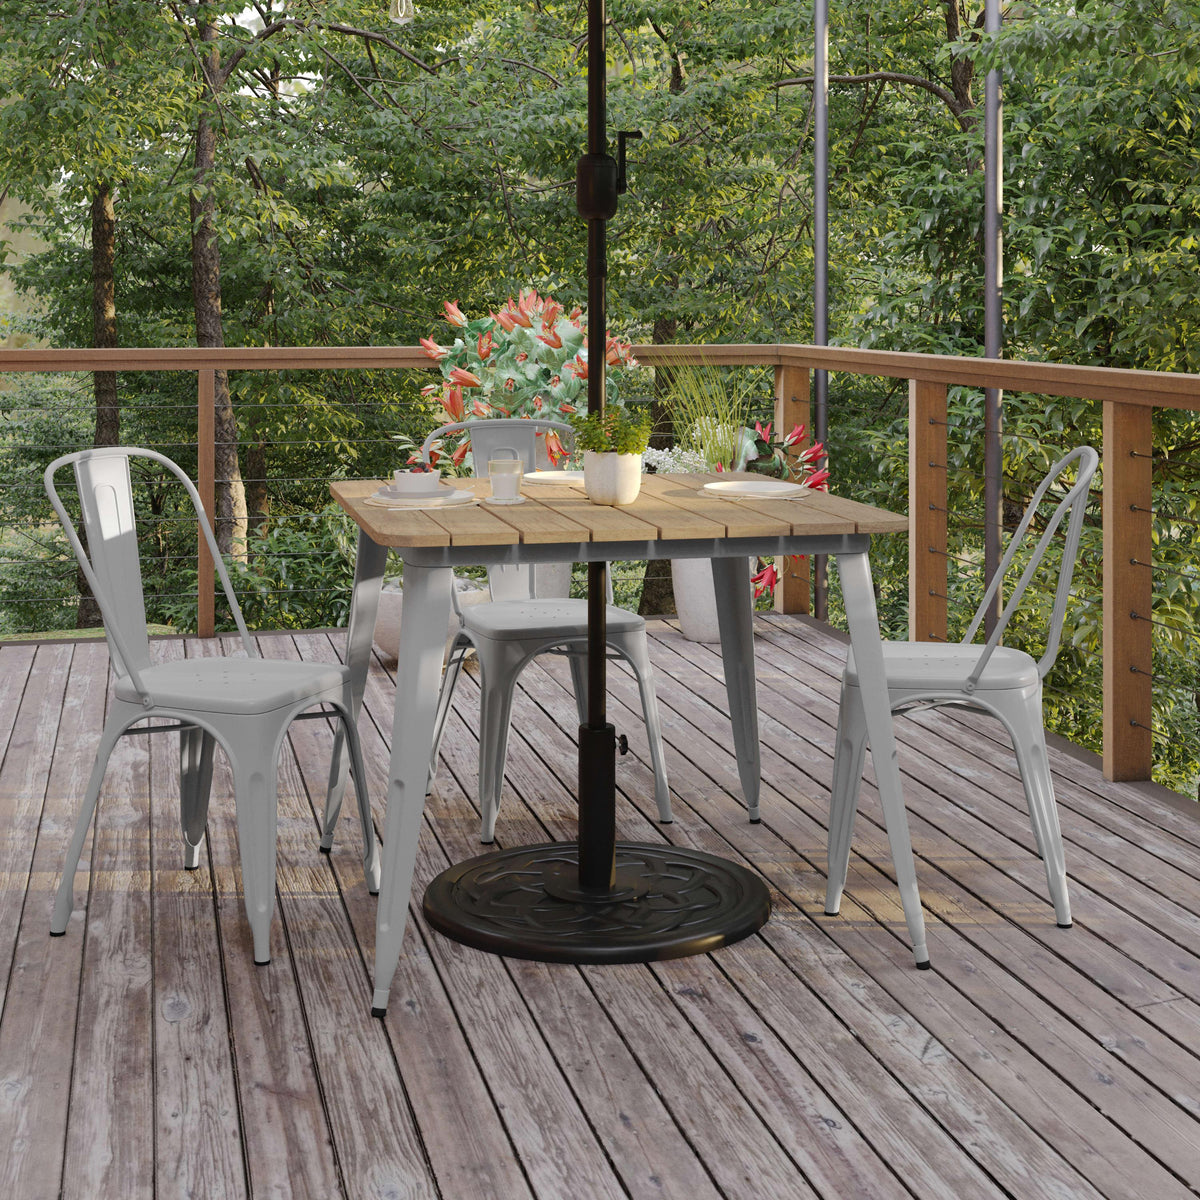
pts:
[145, 1055]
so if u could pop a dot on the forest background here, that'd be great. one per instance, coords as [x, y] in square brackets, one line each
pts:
[311, 173]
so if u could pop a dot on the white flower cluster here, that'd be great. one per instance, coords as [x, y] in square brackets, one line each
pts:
[675, 460]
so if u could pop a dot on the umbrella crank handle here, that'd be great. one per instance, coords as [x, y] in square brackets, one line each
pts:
[623, 136]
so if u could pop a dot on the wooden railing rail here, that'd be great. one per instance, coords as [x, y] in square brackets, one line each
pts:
[1129, 398]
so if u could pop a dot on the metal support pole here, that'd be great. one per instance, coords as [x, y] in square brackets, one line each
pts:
[596, 199]
[821, 253]
[993, 271]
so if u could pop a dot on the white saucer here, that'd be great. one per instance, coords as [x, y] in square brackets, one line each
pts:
[388, 492]
[559, 477]
[495, 500]
[756, 489]
[450, 497]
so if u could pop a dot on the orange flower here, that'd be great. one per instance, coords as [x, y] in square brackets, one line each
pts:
[551, 338]
[453, 313]
[457, 457]
[452, 402]
[554, 447]
[551, 312]
[520, 316]
[566, 407]
[503, 318]
[480, 408]
[466, 378]
[436, 352]
[485, 345]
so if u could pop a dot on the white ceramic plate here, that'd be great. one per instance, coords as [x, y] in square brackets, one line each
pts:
[756, 489]
[559, 477]
[448, 497]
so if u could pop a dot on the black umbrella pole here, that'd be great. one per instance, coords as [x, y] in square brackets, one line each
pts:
[596, 199]
[597, 738]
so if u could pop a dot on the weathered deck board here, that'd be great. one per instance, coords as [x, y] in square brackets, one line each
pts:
[810, 1060]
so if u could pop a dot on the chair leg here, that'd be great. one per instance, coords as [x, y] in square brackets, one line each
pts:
[359, 773]
[64, 900]
[1023, 715]
[636, 651]
[498, 677]
[578, 664]
[849, 755]
[458, 655]
[195, 785]
[254, 752]
[336, 791]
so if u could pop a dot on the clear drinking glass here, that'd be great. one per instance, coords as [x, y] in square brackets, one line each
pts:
[505, 474]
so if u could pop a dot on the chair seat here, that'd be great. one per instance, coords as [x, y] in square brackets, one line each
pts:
[935, 666]
[509, 620]
[232, 685]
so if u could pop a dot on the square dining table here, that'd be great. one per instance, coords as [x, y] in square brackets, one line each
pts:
[673, 517]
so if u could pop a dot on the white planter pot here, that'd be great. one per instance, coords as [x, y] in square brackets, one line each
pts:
[696, 598]
[612, 478]
[391, 605]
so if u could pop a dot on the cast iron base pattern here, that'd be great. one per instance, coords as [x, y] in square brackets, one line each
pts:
[669, 902]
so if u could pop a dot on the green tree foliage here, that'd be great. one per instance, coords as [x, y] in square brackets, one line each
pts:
[364, 172]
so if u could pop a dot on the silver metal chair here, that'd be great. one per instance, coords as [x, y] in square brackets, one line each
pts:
[518, 624]
[995, 679]
[245, 704]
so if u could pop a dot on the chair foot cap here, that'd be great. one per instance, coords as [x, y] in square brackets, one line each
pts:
[379, 1012]
[1065, 924]
[832, 912]
[325, 849]
[756, 820]
[924, 966]
[58, 933]
[262, 962]
[487, 841]
[666, 821]
[372, 891]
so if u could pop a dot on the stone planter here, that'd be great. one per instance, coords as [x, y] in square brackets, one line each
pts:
[696, 598]
[612, 478]
[391, 604]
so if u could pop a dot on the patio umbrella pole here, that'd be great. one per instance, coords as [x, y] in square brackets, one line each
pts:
[596, 199]
[569, 903]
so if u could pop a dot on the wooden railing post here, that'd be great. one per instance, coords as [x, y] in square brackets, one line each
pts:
[791, 409]
[206, 486]
[1128, 590]
[927, 562]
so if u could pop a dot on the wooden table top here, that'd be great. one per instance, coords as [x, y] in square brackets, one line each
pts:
[670, 507]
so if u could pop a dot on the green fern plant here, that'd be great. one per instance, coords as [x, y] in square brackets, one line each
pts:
[615, 431]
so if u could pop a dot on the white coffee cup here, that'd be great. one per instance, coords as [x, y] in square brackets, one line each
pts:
[505, 474]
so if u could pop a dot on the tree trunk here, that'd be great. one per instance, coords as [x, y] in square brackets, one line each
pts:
[258, 502]
[230, 517]
[104, 336]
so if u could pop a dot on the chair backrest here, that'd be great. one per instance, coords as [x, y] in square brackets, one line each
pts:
[111, 563]
[1082, 463]
[501, 437]
[504, 437]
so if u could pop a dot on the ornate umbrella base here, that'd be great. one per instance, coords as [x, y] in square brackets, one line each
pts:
[526, 902]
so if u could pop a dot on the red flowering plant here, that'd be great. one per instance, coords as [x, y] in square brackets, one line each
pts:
[778, 458]
[528, 359]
